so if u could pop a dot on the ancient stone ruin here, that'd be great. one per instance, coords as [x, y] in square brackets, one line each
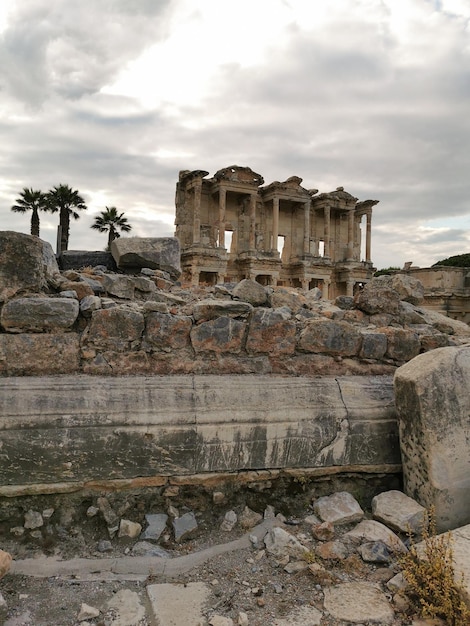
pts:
[321, 233]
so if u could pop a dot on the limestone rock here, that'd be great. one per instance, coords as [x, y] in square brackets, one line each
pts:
[324, 531]
[378, 296]
[220, 620]
[26, 264]
[39, 314]
[206, 310]
[250, 291]
[229, 521]
[374, 345]
[358, 602]
[161, 253]
[81, 288]
[119, 286]
[280, 543]
[323, 335]
[402, 344]
[78, 259]
[289, 297]
[166, 332]
[191, 600]
[271, 331]
[130, 529]
[432, 394]
[110, 517]
[38, 354]
[374, 552]
[184, 526]
[114, 329]
[5, 563]
[332, 551]
[398, 511]
[33, 519]
[248, 518]
[87, 612]
[156, 525]
[89, 304]
[339, 508]
[370, 530]
[223, 334]
[409, 289]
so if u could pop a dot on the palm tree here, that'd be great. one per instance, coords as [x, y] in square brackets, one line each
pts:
[111, 221]
[65, 200]
[31, 200]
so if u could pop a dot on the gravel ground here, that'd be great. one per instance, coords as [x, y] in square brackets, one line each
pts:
[247, 580]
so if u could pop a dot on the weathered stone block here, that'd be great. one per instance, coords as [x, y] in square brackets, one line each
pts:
[119, 286]
[250, 291]
[398, 511]
[223, 334]
[432, 394]
[374, 345]
[39, 314]
[78, 259]
[323, 335]
[81, 288]
[402, 344]
[288, 297]
[211, 309]
[108, 428]
[166, 332]
[26, 264]
[409, 289]
[114, 329]
[271, 331]
[162, 253]
[378, 296]
[36, 355]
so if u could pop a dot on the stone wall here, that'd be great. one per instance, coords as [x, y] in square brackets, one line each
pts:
[102, 372]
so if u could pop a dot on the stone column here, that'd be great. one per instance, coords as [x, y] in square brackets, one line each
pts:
[326, 235]
[326, 288]
[368, 234]
[307, 227]
[222, 203]
[252, 244]
[197, 213]
[351, 217]
[275, 222]
[350, 287]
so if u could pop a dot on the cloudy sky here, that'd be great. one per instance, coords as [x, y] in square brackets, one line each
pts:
[114, 97]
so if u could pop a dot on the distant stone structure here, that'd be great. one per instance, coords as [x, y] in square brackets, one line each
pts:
[321, 233]
[446, 289]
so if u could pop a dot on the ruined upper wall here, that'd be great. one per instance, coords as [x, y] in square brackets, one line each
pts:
[101, 322]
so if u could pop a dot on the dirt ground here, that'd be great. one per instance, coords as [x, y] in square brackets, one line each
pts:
[247, 580]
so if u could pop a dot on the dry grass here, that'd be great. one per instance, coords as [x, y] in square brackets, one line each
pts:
[429, 572]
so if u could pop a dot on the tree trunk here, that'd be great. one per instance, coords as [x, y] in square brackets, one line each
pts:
[65, 229]
[35, 223]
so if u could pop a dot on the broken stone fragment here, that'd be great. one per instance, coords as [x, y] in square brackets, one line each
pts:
[229, 521]
[249, 518]
[156, 525]
[282, 544]
[33, 519]
[110, 517]
[339, 508]
[5, 562]
[250, 291]
[370, 530]
[184, 526]
[87, 612]
[398, 511]
[130, 529]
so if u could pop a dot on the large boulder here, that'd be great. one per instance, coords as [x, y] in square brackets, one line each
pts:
[156, 253]
[378, 296]
[26, 264]
[39, 314]
[409, 289]
[432, 394]
[78, 259]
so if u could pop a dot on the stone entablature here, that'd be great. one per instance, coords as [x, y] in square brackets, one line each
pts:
[322, 233]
